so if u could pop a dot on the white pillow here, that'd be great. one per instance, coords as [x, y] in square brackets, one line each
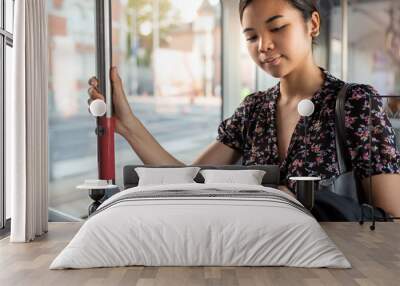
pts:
[165, 176]
[248, 177]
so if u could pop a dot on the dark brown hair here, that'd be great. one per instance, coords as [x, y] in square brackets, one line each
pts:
[306, 7]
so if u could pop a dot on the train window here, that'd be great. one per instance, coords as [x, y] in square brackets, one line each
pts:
[6, 44]
[72, 142]
[8, 73]
[374, 45]
[9, 15]
[168, 54]
[248, 70]
[2, 175]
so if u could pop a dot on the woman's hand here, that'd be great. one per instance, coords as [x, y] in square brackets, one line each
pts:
[127, 125]
[124, 118]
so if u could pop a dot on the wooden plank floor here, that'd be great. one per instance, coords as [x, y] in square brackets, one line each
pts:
[375, 256]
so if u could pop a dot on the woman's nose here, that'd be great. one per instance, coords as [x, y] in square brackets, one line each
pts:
[265, 44]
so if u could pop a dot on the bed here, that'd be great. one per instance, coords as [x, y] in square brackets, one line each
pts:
[201, 224]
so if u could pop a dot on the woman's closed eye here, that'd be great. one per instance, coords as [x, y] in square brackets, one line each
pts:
[278, 28]
[251, 39]
[274, 30]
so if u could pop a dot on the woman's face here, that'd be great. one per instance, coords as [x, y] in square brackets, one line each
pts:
[278, 38]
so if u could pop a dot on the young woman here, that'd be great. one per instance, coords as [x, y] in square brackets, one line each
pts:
[266, 128]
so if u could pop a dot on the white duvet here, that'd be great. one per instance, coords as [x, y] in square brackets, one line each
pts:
[202, 231]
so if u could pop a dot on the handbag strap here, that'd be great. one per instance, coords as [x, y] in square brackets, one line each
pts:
[344, 159]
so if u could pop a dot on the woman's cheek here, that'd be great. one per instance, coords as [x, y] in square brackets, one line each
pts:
[253, 51]
[298, 44]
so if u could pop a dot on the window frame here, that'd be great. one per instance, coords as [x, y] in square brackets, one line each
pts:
[6, 39]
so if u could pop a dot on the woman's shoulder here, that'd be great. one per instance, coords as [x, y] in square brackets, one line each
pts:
[361, 91]
[361, 99]
[355, 91]
[261, 96]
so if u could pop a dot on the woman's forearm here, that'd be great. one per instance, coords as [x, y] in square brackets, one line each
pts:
[147, 147]
[385, 192]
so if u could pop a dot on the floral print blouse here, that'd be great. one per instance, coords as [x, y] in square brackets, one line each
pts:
[252, 131]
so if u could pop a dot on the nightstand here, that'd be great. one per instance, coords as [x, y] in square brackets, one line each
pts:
[99, 191]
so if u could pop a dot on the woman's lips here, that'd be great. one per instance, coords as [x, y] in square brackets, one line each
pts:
[272, 61]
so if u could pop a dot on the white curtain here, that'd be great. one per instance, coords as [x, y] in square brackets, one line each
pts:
[26, 123]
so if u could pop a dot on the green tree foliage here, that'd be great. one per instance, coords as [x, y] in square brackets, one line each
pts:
[167, 21]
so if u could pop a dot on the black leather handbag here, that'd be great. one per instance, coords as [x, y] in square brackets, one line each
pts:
[341, 198]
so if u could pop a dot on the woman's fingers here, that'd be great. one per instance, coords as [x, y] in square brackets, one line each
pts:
[116, 81]
[94, 93]
[93, 81]
[119, 97]
[115, 78]
[91, 93]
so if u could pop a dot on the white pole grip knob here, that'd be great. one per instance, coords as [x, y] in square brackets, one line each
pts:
[98, 107]
[305, 107]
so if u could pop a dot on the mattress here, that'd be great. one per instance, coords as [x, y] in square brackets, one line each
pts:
[201, 225]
